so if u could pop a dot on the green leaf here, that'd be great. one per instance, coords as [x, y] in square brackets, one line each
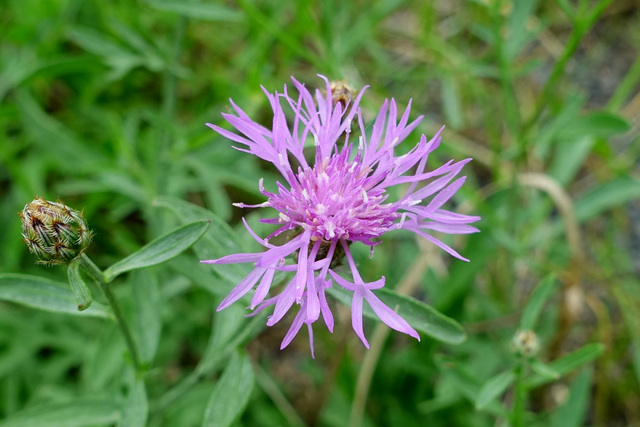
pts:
[568, 158]
[597, 124]
[79, 288]
[466, 383]
[493, 388]
[607, 196]
[135, 411]
[77, 413]
[421, 316]
[540, 294]
[146, 297]
[197, 10]
[451, 103]
[568, 363]
[229, 331]
[231, 393]
[544, 370]
[162, 249]
[219, 241]
[573, 412]
[44, 294]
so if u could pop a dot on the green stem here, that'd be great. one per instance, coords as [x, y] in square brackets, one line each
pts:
[98, 277]
[520, 397]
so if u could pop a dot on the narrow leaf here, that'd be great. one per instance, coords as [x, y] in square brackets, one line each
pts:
[451, 103]
[146, 297]
[44, 294]
[493, 388]
[219, 241]
[607, 196]
[77, 413]
[597, 124]
[540, 294]
[466, 383]
[419, 315]
[544, 370]
[568, 363]
[79, 288]
[573, 412]
[231, 393]
[198, 10]
[136, 407]
[162, 249]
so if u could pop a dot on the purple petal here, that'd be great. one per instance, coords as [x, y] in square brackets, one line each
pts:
[324, 307]
[437, 242]
[356, 315]
[234, 259]
[388, 316]
[313, 355]
[283, 304]
[342, 282]
[312, 302]
[263, 288]
[293, 330]
[275, 254]
[243, 287]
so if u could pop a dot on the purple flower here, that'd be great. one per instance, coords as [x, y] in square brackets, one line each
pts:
[339, 198]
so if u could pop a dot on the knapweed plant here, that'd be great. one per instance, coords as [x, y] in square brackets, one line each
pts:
[336, 190]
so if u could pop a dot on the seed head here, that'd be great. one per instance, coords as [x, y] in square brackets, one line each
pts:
[525, 343]
[53, 232]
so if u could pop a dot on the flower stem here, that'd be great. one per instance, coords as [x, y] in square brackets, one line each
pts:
[520, 395]
[98, 277]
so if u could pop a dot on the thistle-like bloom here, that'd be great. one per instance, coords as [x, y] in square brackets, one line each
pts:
[338, 198]
[54, 233]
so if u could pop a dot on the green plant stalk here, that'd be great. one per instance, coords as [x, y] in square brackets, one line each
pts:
[98, 277]
[520, 394]
[582, 24]
[625, 88]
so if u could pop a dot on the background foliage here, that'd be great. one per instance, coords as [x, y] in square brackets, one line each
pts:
[104, 103]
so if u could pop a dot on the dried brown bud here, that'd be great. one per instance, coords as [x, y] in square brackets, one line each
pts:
[525, 343]
[341, 93]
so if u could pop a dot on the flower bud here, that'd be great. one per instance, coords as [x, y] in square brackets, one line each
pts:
[54, 233]
[341, 93]
[525, 343]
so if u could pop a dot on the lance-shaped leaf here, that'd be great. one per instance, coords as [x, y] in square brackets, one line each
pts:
[136, 407]
[162, 249]
[77, 412]
[540, 294]
[44, 294]
[567, 363]
[231, 393]
[493, 388]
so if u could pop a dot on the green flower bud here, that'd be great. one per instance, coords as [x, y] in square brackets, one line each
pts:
[54, 233]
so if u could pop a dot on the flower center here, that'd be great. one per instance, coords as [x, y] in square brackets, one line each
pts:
[336, 199]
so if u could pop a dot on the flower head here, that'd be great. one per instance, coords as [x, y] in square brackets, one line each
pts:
[54, 233]
[338, 197]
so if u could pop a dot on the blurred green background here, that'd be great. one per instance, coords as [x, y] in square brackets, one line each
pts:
[103, 104]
